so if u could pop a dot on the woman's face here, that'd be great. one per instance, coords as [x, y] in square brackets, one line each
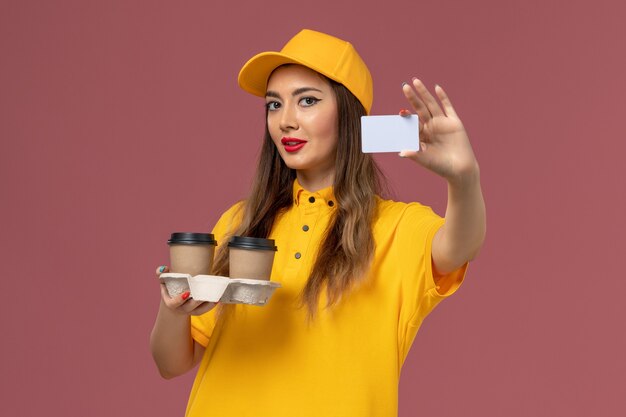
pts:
[302, 120]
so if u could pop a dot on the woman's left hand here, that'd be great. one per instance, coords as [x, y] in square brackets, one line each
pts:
[445, 148]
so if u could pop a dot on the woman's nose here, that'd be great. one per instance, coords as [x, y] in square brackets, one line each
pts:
[288, 119]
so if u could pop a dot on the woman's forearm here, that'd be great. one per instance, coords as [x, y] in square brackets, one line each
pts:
[171, 343]
[459, 240]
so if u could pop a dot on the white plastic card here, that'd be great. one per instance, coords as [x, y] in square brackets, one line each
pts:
[393, 133]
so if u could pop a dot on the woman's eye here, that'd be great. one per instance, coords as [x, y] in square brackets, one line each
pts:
[308, 101]
[272, 105]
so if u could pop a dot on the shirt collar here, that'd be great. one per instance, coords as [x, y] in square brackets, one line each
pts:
[300, 195]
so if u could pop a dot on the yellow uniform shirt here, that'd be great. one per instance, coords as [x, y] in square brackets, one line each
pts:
[268, 361]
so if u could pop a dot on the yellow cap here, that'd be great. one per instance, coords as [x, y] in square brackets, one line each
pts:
[330, 56]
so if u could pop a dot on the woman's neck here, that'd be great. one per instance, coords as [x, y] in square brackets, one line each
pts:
[315, 181]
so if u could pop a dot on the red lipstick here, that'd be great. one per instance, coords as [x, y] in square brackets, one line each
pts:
[293, 144]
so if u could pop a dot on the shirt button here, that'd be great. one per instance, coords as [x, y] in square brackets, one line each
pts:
[330, 203]
[305, 228]
[298, 255]
[312, 199]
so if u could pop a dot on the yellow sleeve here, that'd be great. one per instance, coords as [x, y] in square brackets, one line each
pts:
[202, 326]
[420, 294]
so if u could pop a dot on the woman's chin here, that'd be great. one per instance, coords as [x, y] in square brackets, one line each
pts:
[294, 163]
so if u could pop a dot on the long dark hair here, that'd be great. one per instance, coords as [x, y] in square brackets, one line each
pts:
[348, 246]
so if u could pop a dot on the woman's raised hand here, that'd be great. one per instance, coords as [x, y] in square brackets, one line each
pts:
[444, 145]
[182, 304]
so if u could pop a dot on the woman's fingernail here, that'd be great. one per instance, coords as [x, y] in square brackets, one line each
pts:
[161, 268]
[404, 83]
[401, 155]
[186, 295]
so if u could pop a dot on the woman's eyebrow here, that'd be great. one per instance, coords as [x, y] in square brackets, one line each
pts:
[304, 90]
[295, 92]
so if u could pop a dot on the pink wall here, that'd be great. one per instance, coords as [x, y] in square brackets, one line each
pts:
[121, 121]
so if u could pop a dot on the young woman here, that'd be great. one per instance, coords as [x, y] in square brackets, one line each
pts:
[358, 273]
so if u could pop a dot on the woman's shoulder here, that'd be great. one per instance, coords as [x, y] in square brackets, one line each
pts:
[229, 220]
[234, 210]
[395, 210]
[403, 222]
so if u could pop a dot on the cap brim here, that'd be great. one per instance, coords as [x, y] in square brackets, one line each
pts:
[255, 73]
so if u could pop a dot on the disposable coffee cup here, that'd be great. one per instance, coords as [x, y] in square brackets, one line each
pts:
[251, 257]
[190, 253]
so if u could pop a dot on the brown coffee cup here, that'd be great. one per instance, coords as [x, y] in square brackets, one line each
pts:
[251, 257]
[190, 253]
